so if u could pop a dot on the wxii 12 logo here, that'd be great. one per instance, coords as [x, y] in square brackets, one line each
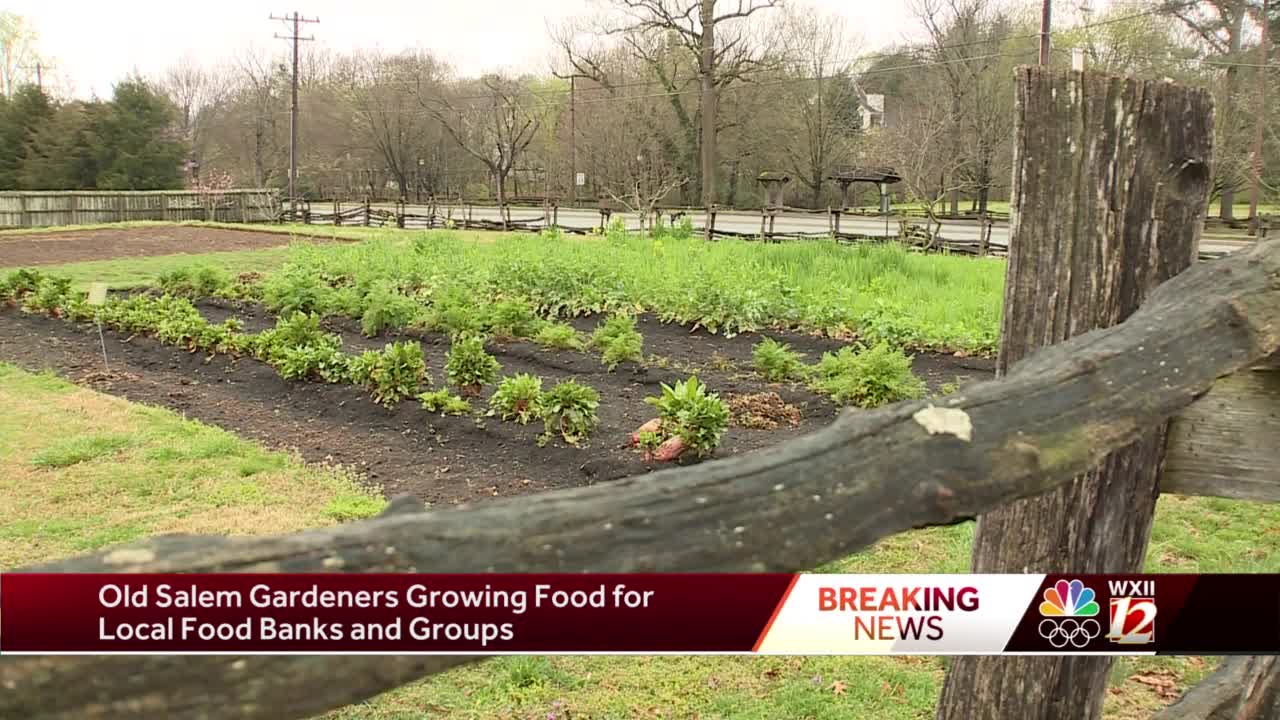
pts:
[1069, 612]
[1133, 612]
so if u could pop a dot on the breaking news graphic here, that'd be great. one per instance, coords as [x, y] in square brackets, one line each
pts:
[778, 614]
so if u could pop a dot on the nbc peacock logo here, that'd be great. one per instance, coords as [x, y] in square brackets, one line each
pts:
[1068, 610]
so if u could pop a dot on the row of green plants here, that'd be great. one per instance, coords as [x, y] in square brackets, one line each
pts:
[866, 376]
[439, 280]
[298, 347]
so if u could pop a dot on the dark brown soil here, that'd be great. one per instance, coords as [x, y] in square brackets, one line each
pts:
[56, 247]
[443, 460]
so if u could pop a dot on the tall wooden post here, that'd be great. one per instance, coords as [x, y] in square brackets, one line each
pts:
[1111, 179]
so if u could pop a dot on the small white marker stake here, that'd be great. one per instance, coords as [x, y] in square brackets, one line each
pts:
[98, 298]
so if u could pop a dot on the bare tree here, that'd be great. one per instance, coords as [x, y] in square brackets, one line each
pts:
[1220, 26]
[818, 48]
[649, 180]
[725, 52]
[918, 145]
[17, 51]
[385, 96]
[495, 126]
[195, 92]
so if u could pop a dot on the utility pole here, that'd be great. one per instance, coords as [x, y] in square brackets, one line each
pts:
[1045, 15]
[294, 38]
[39, 67]
[1259, 119]
[573, 135]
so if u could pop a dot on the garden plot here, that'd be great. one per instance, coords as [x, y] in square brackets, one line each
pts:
[391, 390]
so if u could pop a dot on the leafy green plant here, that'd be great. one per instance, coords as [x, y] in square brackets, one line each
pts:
[305, 362]
[511, 318]
[552, 232]
[616, 232]
[867, 378]
[469, 366]
[295, 290]
[559, 336]
[516, 398]
[49, 295]
[18, 283]
[454, 312]
[393, 374]
[568, 409]
[385, 307]
[691, 418]
[776, 361]
[195, 282]
[618, 341]
[444, 402]
[950, 388]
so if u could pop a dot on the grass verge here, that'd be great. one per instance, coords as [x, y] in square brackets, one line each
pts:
[115, 471]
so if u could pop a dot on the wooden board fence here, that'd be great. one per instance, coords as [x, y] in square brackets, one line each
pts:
[26, 209]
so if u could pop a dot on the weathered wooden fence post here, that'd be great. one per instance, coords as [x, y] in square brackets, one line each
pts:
[1111, 179]
[368, 211]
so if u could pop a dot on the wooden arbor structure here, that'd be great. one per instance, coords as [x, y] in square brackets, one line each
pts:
[774, 183]
[881, 177]
[1063, 456]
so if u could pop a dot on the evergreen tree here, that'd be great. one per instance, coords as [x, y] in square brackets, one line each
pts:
[137, 146]
[20, 115]
[63, 154]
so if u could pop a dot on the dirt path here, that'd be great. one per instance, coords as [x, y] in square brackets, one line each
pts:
[107, 243]
[443, 460]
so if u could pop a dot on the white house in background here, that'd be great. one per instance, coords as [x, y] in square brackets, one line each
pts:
[872, 109]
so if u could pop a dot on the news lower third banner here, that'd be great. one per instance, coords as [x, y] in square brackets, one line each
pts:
[809, 614]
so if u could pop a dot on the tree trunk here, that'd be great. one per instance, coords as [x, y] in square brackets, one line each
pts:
[709, 110]
[1101, 220]
[500, 179]
[1231, 91]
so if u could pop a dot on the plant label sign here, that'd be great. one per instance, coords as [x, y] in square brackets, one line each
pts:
[98, 293]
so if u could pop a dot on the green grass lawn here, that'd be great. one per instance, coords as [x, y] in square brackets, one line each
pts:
[124, 273]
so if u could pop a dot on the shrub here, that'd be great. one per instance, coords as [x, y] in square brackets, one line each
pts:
[385, 307]
[393, 374]
[445, 403]
[776, 361]
[618, 340]
[469, 366]
[867, 378]
[568, 409]
[691, 417]
[516, 398]
[559, 336]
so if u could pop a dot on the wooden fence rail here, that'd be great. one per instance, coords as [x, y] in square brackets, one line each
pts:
[875, 473]
[85, 207]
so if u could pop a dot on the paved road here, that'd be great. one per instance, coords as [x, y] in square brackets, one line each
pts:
[747, 222]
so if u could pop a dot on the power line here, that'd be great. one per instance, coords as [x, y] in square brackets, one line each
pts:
[294, 38]
[764, 83]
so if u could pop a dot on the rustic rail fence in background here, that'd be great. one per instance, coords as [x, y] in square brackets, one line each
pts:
[1106, 341]
[27, 209]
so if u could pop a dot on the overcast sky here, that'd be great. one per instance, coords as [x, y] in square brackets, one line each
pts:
[97, 43]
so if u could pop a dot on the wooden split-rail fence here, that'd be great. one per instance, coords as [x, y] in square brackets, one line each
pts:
[1126, 369]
